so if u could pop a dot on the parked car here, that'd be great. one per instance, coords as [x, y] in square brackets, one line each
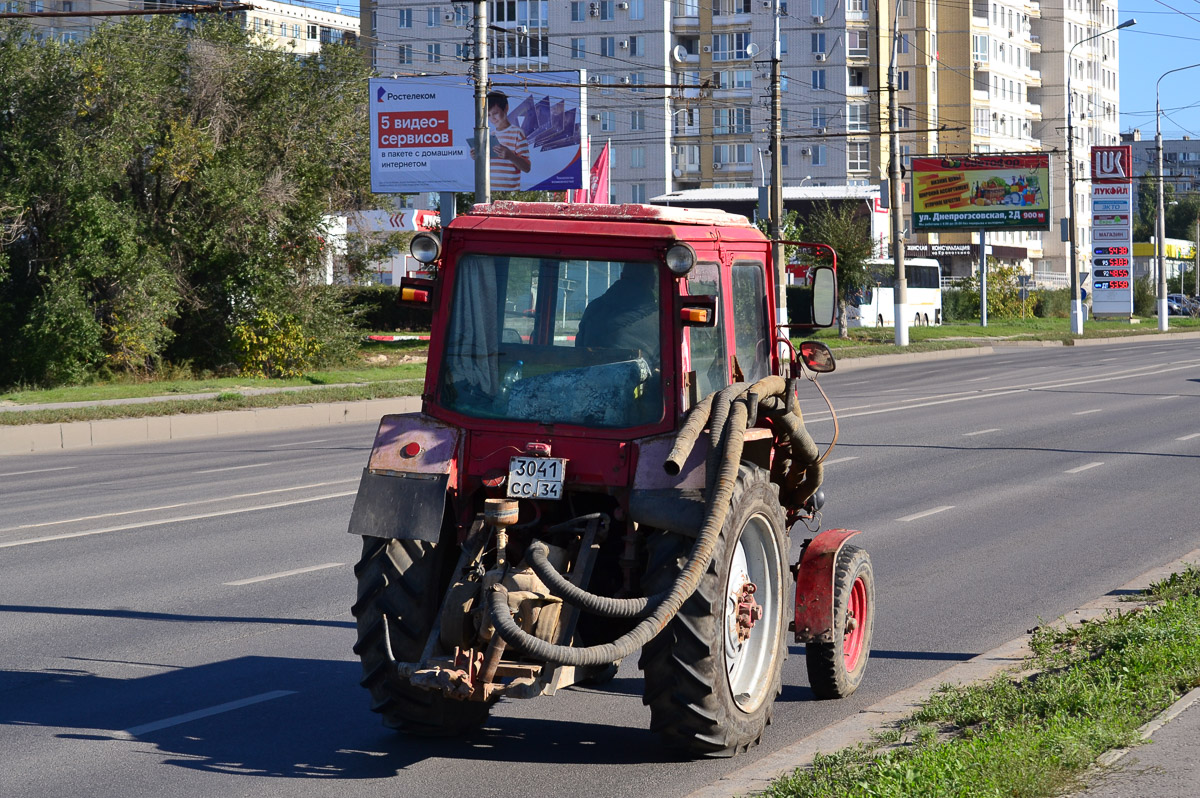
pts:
[1180, 305]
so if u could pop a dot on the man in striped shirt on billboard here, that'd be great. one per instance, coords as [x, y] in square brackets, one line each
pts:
[510, 149]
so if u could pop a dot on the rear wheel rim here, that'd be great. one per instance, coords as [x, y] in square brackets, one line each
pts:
[749, 664]
[857, 607]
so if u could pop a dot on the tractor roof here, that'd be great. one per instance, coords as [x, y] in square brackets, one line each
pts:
[663, 214]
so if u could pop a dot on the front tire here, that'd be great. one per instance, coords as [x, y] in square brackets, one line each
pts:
[400, 586]
[835, 669]
[709, 692]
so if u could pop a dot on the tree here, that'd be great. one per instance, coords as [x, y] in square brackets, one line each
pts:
[842, 227]
[167, 186]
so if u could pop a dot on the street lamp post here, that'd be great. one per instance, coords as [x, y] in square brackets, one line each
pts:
[1160, 222]
[1073, 266]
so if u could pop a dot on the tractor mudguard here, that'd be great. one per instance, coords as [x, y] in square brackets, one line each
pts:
[814, 585]
[402, 494]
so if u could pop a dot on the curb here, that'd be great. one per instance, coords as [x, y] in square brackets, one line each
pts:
[1109, 758]
[29, 438]
[859, 728]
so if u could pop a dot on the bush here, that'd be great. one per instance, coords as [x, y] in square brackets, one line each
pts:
[1052, 303]
[1144, 297]
[378, 308]
[270, 345]
[960, 304]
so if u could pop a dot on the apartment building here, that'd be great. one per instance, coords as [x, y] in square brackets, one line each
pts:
[682, 88]
[278, 23]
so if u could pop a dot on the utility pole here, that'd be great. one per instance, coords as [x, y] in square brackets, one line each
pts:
[776, 198]
[483, 151]
[897, 198]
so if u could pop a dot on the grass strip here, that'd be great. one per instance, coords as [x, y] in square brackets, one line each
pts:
[1095, 684]
[224, 401]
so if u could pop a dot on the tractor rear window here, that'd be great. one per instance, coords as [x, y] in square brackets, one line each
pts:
[554, 341]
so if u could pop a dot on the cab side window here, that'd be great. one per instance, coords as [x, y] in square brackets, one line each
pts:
[707, 344]
[753, 344]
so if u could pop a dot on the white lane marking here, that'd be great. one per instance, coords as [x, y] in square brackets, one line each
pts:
[1189, 437]
[1087, 412]
[978, 379]
[981, 432]
[282, 574]
[300, 443]
[1169, 396]
[1106, 359]
[856, 382]
[841, 459]
[915, 516]
[232, 468]
[1082, 468]
[166, 723]
[894, 390]
[37, 471]
[179, 519]
[178, 505]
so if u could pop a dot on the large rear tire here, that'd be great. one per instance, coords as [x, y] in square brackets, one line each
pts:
[835, 669]
[710, 693]
[400, 586]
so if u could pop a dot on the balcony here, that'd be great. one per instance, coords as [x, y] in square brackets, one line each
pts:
[856, 91]
[1033, 78]
[1033, 111]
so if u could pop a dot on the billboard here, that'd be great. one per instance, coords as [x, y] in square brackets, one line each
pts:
[1112, 231]
[982, 192]
[423, 133]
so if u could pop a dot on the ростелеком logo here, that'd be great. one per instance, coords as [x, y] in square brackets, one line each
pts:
[379, 94]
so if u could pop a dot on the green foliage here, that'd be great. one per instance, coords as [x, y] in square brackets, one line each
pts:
[961, 304]
[379, 308]
[1052, 303]
[844, 228]
[159, 187]
[1144, 292]
[273, 346]
[790, 229]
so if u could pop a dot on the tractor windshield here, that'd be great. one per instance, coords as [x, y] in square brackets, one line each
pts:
[554, 341]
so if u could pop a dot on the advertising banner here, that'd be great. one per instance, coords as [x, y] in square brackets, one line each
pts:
[423, 133]
[982, 192]
[1112, 231]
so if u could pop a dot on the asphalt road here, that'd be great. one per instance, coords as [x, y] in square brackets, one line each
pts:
[175, 616]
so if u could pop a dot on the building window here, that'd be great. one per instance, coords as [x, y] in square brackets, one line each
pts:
[904, 117]
[980, 48]
[904, 42]
[637, 45]
[858, 78]
[578, 48]
[902, 80]
[608, 46]
[404, 54]
[783, 44]
[433, 53]
[818, 42]
[313, 33]
[638, 193]
[637, 80]
[818, 155]
[858, 156]
[606, 10]
[731, 120]
[730, 46]
[637, 157]
[608, 121]
[637, 9]
[857, 45]
[818, 8]
[818, 116]
[578, 11]
[404, 20]
[818, 78]
[856, 117]
[637, 120]
[783, 155]
[433, 17]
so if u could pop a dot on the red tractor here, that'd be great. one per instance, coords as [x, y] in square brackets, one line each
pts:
[610, 457]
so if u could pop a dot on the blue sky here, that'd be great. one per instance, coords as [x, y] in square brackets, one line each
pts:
[1167, 36]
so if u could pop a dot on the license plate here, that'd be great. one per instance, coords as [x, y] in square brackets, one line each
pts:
[536, 477]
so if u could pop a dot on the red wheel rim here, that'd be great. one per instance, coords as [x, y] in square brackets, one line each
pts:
[856, 627]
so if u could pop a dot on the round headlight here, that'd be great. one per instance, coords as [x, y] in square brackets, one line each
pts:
[425, 247]
[681, 259]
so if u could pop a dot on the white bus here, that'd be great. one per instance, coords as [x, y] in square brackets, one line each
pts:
[876, 306]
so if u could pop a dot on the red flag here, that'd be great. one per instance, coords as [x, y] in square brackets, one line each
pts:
[600, 172]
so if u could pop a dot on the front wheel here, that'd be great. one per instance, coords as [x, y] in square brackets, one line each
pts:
[835, 668]
[712, 675]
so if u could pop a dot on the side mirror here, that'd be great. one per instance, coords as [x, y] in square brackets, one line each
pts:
[816, 357]
[824, 296]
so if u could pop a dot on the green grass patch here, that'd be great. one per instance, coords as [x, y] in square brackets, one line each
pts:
[226, 400]
[1095, 685]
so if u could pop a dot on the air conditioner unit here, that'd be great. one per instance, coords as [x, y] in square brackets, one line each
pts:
[623, 6]
[595, 117]
[718, 165]
[707, 48]
[448, 16]
[820, 56]
[594, 79]
[978, 64]
[806, 150]
[677, 172]
[521, 30]
[625, 80]
[820, 131]
[674, 150]
[594, 10]
[624, 44]
[819, 20]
